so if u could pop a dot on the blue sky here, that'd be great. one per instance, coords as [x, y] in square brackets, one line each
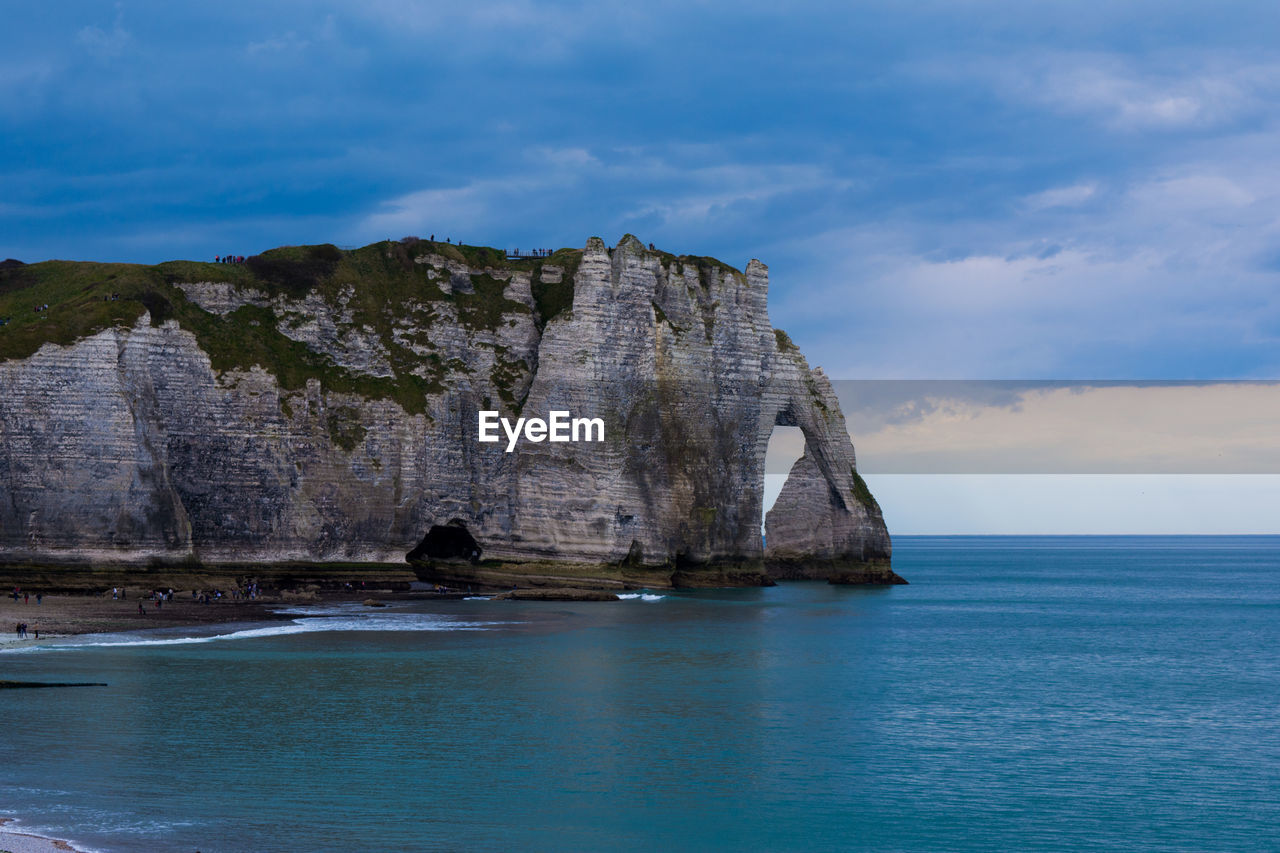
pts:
[960, 190]
[942, 190]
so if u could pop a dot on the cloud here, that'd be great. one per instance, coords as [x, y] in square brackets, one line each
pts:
[707, 191]
[1069, 196]
[289, 43]
[1126, 101]
[1192, 193]
[1218, 428]
[104, 43]
[1197, 92]
[668, 197]
[1033, 193]
[1169, 273]
[1188, 89]
[463, 209]
[1077, 427]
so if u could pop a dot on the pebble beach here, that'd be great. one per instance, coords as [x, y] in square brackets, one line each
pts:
[12, 841]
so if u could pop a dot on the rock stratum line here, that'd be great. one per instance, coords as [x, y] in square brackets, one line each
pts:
[319, 406]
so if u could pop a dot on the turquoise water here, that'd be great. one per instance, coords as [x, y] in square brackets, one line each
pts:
[1022, 693]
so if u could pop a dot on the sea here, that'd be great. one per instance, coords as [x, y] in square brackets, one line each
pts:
[1022, 693]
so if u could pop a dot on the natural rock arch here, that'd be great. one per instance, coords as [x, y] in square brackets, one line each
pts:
[824, 524]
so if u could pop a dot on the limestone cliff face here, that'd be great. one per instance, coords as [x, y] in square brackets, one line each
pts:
[154, 440]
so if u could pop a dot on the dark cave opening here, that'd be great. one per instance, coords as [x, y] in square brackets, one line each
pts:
[450, 541]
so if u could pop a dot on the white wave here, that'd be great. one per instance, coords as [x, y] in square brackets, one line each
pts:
[643, 596]
[305, 625]
[15, 827]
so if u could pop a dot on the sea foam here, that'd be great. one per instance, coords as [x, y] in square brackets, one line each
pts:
[302, 625]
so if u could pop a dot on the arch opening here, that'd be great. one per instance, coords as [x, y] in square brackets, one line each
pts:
[786, 446]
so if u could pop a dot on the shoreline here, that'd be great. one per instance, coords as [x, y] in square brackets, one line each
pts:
[13, 841]
[65, 615]
[71, 615]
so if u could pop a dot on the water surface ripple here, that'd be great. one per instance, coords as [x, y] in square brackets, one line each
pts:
[1022, 693]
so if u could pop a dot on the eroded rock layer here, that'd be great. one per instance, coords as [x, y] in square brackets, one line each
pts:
[321, 406]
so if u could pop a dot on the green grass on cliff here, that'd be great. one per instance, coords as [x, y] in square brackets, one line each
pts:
[79, 300]
[862, 493]
[380, 285]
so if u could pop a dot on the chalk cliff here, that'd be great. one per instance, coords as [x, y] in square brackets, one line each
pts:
[319, 406]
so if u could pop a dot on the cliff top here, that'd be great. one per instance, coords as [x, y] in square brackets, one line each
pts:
[61, 302]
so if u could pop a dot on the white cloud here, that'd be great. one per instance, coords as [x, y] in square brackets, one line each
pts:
[1069, 196]
[462, 208]
[1172, 264]
[1132, 102]
[877, 310]
[1201, 92]
[1185, 91]
[1203, 192]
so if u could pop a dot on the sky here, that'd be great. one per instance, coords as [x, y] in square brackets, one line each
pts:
[943, 191]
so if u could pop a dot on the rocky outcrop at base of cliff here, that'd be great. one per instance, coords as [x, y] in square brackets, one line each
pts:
[315, 406]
